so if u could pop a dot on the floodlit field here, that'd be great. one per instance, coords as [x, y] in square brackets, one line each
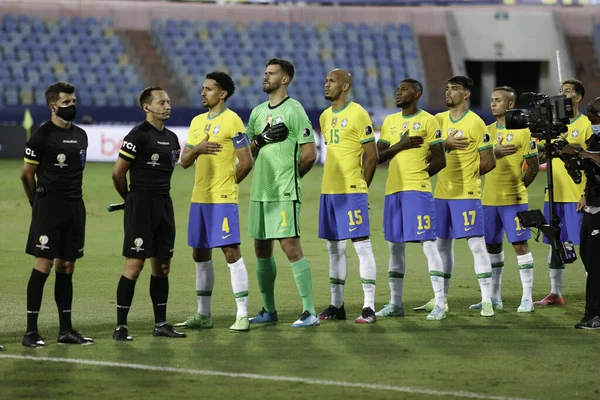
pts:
[538, 355]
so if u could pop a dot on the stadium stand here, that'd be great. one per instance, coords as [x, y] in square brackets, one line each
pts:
[91, 54]
[378, 56]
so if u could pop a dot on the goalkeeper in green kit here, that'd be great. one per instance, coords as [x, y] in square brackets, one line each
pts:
[283, 143]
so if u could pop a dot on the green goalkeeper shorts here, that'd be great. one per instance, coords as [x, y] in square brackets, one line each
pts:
[274, 219]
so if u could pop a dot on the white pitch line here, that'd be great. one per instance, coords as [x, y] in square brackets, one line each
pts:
[274, 378]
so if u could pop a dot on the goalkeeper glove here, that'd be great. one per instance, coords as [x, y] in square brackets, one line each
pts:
[277, 133]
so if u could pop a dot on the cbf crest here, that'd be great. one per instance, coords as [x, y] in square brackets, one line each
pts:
[216, 130]
[279, 119]
[509, 137]
[344, 123]
[575, 133]
[416, 126]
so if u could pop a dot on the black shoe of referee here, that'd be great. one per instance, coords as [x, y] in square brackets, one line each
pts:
[167, 331]
[73, 337]
[33, 339]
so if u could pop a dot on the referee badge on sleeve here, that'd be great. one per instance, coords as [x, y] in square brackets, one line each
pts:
[82, 156]
[175, 157]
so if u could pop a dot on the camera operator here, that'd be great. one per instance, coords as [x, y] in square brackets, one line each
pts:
[567, 193]
[590, 227]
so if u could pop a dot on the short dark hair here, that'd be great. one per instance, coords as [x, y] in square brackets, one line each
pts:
[53, 92]
[224, 81]
[285, 65]
[507, 89]
[146, 95]
[464, 81]
[577, 84]
[417, 85]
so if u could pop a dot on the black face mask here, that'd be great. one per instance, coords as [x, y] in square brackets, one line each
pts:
[67, 113]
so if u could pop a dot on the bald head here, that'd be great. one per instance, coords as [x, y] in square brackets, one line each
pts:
[342, 75]
[337, 84]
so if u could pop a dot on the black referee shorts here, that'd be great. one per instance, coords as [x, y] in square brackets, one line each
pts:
[590, 242]
[57, 228]
[149, 225]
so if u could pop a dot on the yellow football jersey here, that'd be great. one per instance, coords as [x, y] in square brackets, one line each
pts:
[503, 185]
[215, 174]
[460, 179]
[345, 131]
[565, 190]
[408, 168]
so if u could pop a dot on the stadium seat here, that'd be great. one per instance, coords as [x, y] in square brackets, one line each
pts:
[91, 43]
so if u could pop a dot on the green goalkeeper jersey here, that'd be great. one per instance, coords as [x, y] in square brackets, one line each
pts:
[276, 175]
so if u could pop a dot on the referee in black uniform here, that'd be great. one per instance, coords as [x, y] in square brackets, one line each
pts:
[55, 154]
[149, 152]
[590, 226]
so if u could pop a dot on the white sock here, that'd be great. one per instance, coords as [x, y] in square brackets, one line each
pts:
[483, 266]
[338, 270]
[526, 271]
[368, 271]
[239, 284]
[205, 282]
[446, 250]
[396, 271]
[556, 276]
[497, 261]
[436, 271]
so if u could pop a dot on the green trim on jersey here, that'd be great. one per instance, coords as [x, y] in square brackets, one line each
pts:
[189, 146]
[489, 146]
[530, 155]
[367, 140]
[412, 115]
[341, 109]
[383, 141]
[208, 117]
[458, 120]
[436, 142]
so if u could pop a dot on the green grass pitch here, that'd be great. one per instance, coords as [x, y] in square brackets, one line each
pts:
[537, 355]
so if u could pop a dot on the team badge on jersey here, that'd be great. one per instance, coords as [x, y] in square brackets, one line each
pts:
[154, 160]
[82, 156]
[206, 128]
[334, 122]
[61, 158]
[575, 133]
[278, 119]
[216, 130]
[416, 126]
[509, 137]
[499, 137]
[175, 157]
[405, 126]
[460, 134]
[344, 123]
